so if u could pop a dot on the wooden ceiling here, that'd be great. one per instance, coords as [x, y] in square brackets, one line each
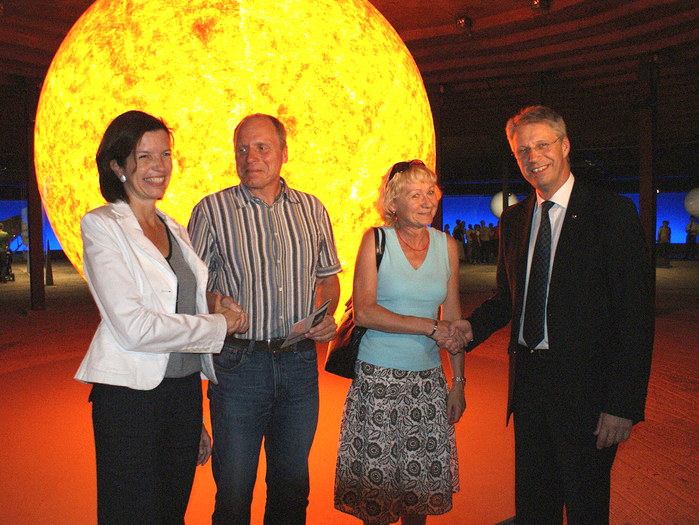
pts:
[604, 65]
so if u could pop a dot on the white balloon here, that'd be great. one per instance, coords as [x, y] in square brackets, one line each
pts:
[691, 202]
[496, 203]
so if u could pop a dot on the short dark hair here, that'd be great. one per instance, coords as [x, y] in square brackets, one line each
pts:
[118, 142]
[278, 127]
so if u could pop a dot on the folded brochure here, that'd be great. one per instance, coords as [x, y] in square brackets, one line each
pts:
[299, 330]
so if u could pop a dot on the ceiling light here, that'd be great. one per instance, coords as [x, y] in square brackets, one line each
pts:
[464, 25]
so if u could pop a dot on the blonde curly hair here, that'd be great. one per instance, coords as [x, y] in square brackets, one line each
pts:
[394, 182]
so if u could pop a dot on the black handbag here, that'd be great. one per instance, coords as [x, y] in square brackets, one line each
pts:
[342, 352]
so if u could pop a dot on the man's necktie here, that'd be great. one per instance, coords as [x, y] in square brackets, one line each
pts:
[538, 281]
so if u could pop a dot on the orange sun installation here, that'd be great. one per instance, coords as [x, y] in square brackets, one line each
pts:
[334, 71]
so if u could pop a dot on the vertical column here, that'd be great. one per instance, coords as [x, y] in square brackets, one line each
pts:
[647, 124]
[34, 207]
[505, 180]
[437, 101]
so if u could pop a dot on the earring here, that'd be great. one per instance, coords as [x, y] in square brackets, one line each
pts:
[122, 178]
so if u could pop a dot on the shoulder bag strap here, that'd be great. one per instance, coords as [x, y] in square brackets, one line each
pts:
[380, 244]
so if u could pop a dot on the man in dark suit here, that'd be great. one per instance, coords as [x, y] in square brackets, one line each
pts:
[574, 279]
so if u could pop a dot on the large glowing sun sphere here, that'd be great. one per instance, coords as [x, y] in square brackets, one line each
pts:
[334, 71]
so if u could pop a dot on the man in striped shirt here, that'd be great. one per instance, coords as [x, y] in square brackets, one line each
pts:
[271, 249]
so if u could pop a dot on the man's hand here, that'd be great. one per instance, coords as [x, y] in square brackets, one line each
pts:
[445, 338]
[451, 336]
[228, 302]
[225, 300]
[465, 327]
[324, 331]
[612, 430]
[236, 320]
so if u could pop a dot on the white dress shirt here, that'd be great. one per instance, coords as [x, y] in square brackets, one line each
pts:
[557, 213]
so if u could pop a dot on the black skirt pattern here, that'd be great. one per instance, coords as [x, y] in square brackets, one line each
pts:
[397, 453]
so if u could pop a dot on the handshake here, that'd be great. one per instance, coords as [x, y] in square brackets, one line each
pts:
[236, 319]
[453, 336]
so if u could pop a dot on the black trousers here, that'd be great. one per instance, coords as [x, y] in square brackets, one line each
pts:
[147, 444]
[557, 462]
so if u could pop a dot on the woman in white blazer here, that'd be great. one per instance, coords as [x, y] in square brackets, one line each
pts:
[155, 336]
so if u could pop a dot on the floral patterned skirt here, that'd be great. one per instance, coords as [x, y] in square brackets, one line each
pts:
[397, 453]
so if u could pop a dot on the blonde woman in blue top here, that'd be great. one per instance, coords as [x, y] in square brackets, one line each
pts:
[397, 452]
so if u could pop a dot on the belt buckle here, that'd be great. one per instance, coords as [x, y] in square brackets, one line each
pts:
[274, 346]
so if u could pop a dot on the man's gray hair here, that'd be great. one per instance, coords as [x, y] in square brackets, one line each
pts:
[278, 127]
[536, 115]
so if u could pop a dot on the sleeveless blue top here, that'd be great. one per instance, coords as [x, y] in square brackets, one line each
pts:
[404, 290]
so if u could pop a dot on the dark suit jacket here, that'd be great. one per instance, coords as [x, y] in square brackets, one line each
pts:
[600, 304]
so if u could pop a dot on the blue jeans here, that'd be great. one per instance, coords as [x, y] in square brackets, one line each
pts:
[274, 396]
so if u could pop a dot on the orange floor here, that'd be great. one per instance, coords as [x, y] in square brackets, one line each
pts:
[47, 471]
[47, 454]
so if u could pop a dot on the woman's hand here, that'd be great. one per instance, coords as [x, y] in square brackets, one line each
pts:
[204, 447]
[456, 403]
[236, 319]
[449, 337]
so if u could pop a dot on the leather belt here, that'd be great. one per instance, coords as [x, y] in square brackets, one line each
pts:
[272, 346]
[542, 354]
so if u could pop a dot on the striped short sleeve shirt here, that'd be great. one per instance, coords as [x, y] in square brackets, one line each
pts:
[267, 258]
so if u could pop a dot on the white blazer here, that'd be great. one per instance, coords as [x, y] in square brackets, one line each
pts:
[136, 293]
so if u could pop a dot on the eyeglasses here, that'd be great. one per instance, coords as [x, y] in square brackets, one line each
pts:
[400, 167]
[541, 147]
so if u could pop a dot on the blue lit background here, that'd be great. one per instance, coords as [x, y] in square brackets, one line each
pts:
[471, 209]
[10, 209]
